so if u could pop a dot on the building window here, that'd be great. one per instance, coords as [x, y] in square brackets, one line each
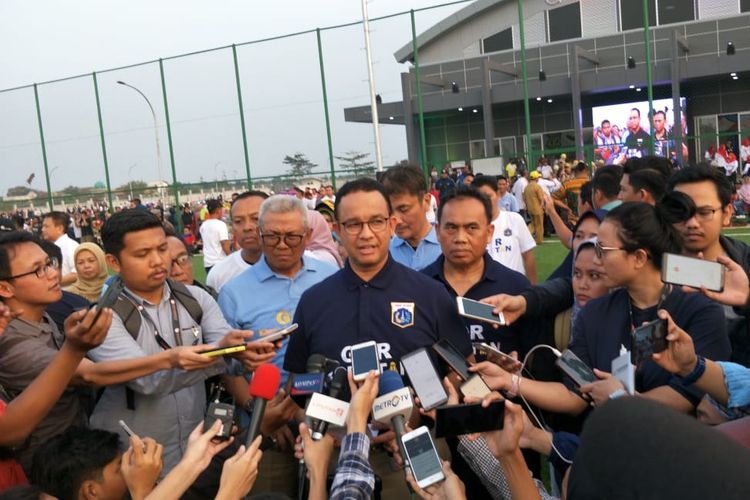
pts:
[564, 23]
[631, 14]
[498, 41]
[744, 5]
[675, 11]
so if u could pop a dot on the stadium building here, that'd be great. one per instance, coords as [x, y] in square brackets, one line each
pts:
[586, 65]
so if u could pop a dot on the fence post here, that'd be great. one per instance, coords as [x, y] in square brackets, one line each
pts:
[242, 116]
[420, 107]
[104, 145]
[44, 148]
[175, 186]
[325, 108]
[524, 77]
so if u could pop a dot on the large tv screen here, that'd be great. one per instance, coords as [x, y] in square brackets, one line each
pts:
[622, 131]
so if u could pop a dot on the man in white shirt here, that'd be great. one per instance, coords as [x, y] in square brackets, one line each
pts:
[54, 229]
[512, 244]
[517, 190]
[215, 235]
[245, 212]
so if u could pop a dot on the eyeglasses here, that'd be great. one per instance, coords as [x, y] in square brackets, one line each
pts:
[41, 272]
[706, 214]
[290, 239]
[599, 249]
[182, 261]
[376, 225]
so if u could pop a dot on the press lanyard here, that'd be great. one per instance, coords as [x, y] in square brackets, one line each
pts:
[175, 322]
[665, 291]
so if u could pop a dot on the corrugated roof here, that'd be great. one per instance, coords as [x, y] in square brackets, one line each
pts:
[472, 10]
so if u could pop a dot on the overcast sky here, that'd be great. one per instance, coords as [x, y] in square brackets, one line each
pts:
[48, 39]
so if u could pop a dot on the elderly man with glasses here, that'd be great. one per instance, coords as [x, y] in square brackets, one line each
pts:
[264, 299]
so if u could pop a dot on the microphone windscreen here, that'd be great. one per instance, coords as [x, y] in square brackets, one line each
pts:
[390, 381]
[316, 363]
[265, 382]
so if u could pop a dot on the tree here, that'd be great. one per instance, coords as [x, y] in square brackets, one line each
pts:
[18, 191]
[356, 162]
[299, 165]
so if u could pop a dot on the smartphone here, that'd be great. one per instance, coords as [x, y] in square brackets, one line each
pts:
[223, 351]
[452, 357]
[465, 419]
[648, 339]
[690, 271]
[364, 358]
[423, 457]
[576, 369]
[276, 336]
[126, 428]
[475, 387]
[495, 355]
[424, 379]
[479, 310]
[109, 299]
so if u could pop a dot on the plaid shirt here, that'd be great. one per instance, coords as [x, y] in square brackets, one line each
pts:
[354, 478]
[488, 469]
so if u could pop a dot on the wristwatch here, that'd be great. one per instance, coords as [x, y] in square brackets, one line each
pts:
[697, 372]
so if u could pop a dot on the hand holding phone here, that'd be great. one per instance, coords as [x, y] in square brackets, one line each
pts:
[424, 379]
[281, 334]
[575, 368]
[479, 310]
[648, 339]
[422, 456]
[469, 418]
[365, 357]
[501, 359]
[223, 351]
[693, 272]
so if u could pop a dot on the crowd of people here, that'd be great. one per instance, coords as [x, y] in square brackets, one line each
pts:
[108, 388]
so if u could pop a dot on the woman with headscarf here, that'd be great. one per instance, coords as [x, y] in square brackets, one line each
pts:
[91, 269]
[321, 245]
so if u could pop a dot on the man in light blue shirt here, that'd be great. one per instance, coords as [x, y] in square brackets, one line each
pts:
[264, 298]
[505, 199]
[415, 244]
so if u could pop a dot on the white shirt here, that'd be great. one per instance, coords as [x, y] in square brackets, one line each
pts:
[213, 232]
[226, 269]
[432, 212]
[546, 171]
[517, 191]
[68, 247]
[510, 239]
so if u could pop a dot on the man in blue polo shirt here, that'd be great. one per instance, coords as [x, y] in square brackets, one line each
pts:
[264, 298]
[415, 244]
[372, 298]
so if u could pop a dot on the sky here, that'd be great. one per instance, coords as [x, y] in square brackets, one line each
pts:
[47, 39]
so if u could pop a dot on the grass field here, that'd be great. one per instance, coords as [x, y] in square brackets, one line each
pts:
[548, 255]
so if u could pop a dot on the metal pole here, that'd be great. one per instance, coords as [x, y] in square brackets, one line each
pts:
[371, 78]
[159, 164]
[649, 80]
[104, 145]
[175, 187]
[242, 116]
[420, 105]
[44, 148]
[524, 77]
[325, 107]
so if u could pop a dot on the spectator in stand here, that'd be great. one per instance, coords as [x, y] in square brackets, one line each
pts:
[215, 235]
[91, 272]
[54, 229]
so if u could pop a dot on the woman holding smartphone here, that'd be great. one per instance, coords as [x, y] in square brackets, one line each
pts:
[631, 241]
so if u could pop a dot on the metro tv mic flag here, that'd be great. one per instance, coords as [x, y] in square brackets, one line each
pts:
[263, 387]
[393, 405]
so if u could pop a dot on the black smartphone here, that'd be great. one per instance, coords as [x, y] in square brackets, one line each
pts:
[452, 357]
[109, 299]
[466, 419]
[648, 339]
[575, 368]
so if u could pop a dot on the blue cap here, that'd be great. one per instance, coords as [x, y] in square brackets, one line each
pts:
[390, 381]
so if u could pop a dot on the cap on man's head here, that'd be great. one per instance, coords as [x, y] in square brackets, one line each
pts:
[534, 175]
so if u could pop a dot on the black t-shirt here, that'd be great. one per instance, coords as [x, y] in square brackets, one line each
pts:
[605, 325]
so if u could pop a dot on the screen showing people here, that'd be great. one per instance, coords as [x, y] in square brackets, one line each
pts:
[623, 131]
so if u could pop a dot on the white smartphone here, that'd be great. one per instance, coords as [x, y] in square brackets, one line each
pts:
[126, 428]
[475, 387]
[690, 271]
[364, 358]
[424, 379]
[276, 336]
[479, 310]
[423, 457]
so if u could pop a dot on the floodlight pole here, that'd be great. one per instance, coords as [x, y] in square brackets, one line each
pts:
[371, 78]
[156, 128]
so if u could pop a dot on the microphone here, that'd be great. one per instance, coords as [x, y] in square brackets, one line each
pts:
[263, 387]
[335, 390]
[393, 406]
[305, 385]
